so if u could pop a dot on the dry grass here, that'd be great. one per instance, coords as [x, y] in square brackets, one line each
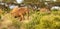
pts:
[37, 20]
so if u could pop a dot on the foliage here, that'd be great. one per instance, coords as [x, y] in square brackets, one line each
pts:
[45, 21]
[38, 20]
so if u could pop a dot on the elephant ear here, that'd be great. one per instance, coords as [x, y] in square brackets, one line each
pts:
[16, 7]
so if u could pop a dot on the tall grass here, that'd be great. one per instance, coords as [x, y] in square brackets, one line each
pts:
[45, 21]
[38, 19]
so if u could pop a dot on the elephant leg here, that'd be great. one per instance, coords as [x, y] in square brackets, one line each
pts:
[22, 17]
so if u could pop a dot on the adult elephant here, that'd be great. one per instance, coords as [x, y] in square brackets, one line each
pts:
[20, 12]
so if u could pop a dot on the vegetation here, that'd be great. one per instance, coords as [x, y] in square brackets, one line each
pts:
[38, 20]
